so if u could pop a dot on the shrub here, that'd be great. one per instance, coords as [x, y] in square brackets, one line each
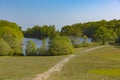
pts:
[86, 44]
[30, 48]
[60, 45]
[42, 51]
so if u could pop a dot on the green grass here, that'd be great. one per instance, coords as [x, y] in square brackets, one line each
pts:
[108, 72]
[100, 64]
[25, 68]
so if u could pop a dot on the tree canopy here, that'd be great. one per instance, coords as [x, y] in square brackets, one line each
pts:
[12, 35]
[91, 28]
[105, 36]
[40, 32]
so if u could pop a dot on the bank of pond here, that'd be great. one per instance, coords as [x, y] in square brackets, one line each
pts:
[39, 43]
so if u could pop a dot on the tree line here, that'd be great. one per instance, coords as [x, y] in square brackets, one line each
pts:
[40, 32]
[104, 32]
[60, 42]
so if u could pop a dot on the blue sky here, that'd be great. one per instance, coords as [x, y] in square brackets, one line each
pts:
[28, 13]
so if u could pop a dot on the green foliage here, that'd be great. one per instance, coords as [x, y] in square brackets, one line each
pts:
[85, 39]
[90, 28]
[73, 31]
[83, 45]
[77, 30]
[105, 36]
[42, 51]
[4, 48]
[75, 40]
[117, 30]
[30, 48]
[12, 35]
[86, 44]
[60, 45]
[40, 32]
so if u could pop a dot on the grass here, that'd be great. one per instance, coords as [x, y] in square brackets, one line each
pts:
[25, 68]
[100, 64]
[108, 72]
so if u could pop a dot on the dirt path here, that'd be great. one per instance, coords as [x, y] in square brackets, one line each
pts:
[59, 66]
[91, 49]
[56, 68]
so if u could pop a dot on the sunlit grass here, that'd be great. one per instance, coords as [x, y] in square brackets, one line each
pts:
[100, 64]
[107, 72]
[25, 68]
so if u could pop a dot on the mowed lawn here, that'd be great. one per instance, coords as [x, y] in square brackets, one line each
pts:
[100, 64]
[25, 68]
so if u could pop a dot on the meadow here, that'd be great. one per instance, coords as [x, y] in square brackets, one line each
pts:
[100, 64]
[25, 68]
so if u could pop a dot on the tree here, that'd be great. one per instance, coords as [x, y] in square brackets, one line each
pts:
[117, 30]
[73, 32]
[42, 51]
[4, 48]
[30, 48]
[60, 45]
[105, 36]
[40, 32]
[10, 32]
[85, 39]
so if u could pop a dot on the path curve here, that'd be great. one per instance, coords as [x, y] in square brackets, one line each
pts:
[91, 49]
[58, 67]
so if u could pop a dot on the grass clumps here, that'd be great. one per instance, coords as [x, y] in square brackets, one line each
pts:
[106, 72]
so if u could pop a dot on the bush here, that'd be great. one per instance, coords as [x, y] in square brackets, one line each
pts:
[60, 45]
[42, 51]
[30, 48]
[86, 44]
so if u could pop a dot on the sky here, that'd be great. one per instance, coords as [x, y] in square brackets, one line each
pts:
[28, 13]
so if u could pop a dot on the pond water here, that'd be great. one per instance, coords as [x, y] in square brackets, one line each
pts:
[39, 42]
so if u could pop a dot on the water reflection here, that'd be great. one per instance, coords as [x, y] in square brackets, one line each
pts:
[39, 42]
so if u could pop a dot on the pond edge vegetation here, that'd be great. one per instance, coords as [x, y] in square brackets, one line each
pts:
[60, 42]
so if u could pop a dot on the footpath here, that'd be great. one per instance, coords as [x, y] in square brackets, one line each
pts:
[58, 67]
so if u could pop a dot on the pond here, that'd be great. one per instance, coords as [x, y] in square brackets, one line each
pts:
[89, 40]
[39, 42]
